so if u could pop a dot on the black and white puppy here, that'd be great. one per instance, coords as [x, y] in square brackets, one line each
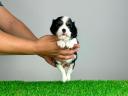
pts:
[64, 28]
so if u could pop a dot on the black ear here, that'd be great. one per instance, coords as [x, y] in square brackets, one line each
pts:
[74, 30]
[52, 28]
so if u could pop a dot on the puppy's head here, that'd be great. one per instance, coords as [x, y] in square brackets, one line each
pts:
[64, 28]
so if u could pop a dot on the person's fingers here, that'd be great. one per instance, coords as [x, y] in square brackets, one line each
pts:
[67, 52]
[61, 57]
[76, 46]
[53, 64]
[50, 60]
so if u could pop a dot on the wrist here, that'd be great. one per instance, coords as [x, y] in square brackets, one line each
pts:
[28, 47]
[37, 48]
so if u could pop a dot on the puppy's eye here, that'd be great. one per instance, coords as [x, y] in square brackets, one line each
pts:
[68, 24]
[59, 23]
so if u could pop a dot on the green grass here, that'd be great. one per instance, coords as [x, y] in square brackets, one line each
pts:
[57, 88]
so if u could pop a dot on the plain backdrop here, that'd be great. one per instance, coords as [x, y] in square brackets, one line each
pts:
[102, 33]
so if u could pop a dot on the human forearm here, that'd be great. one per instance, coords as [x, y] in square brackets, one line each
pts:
[11, 25]
[10, 44]
[21, 31]
[45, 46]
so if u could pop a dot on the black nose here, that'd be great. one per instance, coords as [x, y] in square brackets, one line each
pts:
[63, 30]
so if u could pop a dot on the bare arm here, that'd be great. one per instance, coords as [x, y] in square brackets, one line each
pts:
[45, 46]
[11, 25]
[10, 44]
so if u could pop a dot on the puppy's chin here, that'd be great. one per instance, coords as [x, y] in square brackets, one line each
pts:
[63, 37]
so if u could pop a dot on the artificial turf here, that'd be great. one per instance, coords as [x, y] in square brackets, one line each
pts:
[72, 88]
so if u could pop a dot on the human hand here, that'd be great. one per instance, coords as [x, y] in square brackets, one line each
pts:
[47, 48]
[51, 60]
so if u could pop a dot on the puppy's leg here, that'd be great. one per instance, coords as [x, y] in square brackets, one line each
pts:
[69, 72]
[63, 72]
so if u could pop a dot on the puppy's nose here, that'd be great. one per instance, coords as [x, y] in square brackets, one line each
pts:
[63, 30]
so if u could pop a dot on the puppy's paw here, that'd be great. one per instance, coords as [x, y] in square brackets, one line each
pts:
[64, 79]
[61, 44]
[69, 44]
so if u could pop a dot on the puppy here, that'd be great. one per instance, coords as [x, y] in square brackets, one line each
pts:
[64, 28]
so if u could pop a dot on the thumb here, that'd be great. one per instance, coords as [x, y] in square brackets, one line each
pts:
[50, 60]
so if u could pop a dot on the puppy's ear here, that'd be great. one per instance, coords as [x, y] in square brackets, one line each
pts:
[73, 22]
[52, 28]
[74, 25]
[74, 30]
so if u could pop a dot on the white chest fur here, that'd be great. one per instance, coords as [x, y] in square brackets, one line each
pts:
[67, 43]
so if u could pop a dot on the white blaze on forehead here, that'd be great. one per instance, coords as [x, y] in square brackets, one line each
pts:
[65, 19]
[64, 26]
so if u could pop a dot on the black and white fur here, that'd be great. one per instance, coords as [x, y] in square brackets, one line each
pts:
[64, 28]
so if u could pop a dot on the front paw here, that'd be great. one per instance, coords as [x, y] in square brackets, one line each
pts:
[64, 79]
[61, 44]
[69, 44]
